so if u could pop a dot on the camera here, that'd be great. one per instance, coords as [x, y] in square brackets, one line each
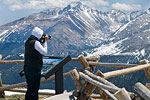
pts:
[42, 40]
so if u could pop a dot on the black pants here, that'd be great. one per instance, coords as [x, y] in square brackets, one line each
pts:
[33, 76]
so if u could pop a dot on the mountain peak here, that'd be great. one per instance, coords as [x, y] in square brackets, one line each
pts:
[148, 11]
[51, 11]
[75, 4]
[115, 11]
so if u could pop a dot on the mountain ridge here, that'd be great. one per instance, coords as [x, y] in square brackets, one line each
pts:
[81, 26]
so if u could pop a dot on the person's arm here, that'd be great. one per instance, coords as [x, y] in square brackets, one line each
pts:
[41, 49]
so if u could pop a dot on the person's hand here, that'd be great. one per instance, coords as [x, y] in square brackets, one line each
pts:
[46, 38]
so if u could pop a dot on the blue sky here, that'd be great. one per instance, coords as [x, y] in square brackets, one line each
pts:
[11, 10]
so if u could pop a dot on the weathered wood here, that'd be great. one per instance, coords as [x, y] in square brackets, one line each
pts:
[0, 57]
[102, 94]
[92, 68]
[144, 62]
[138, 98]
[122, 95]
[111, 65]
[106, 95]
[87, 58]
[24, 83]
[95, 97]
[97, 83]
[2, 94]
[75, 77]
[83, 61]
[22, 61]
[125, 71]
[100, 74]
[87, 91]
[12, 62]
[142, 91]
[147, 70]
[102, 80]
[148, 85]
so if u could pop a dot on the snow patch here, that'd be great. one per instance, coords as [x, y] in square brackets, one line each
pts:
[9, 93]
[3, 34]
[122, 28]
[112, 48]
[21, 55]
[142, 52]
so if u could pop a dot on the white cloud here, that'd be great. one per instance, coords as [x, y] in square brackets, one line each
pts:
[95, 3]
[126, 7]
[44, 4]
[35, 4]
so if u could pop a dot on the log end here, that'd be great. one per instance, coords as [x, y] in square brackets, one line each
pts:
[83, 61]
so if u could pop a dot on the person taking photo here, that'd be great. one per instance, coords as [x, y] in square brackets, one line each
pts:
[35, 49]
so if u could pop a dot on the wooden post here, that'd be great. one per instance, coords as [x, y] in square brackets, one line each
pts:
[2, 94]
[92, 67]
[89, 88]
[148, 85]
[122, 95]
[75, 77]
[147, 70]
[83, 61]
[142, 91]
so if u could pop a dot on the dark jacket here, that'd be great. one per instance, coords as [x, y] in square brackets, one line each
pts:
[32, 57]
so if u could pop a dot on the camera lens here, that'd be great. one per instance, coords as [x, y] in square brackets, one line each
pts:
[49, 36]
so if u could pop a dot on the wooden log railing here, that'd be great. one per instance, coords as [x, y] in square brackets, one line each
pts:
[142, 90]
[122, 95]
[146, 70]
[12, 62]
[22, 61]
[97, 81]
[125, 71]
[148, 85]
[112, 65]
[24, 83]
[105, 94]
[100, 79]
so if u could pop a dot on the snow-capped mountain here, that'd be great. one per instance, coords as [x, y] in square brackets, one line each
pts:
[133, 38]
[73, 28]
